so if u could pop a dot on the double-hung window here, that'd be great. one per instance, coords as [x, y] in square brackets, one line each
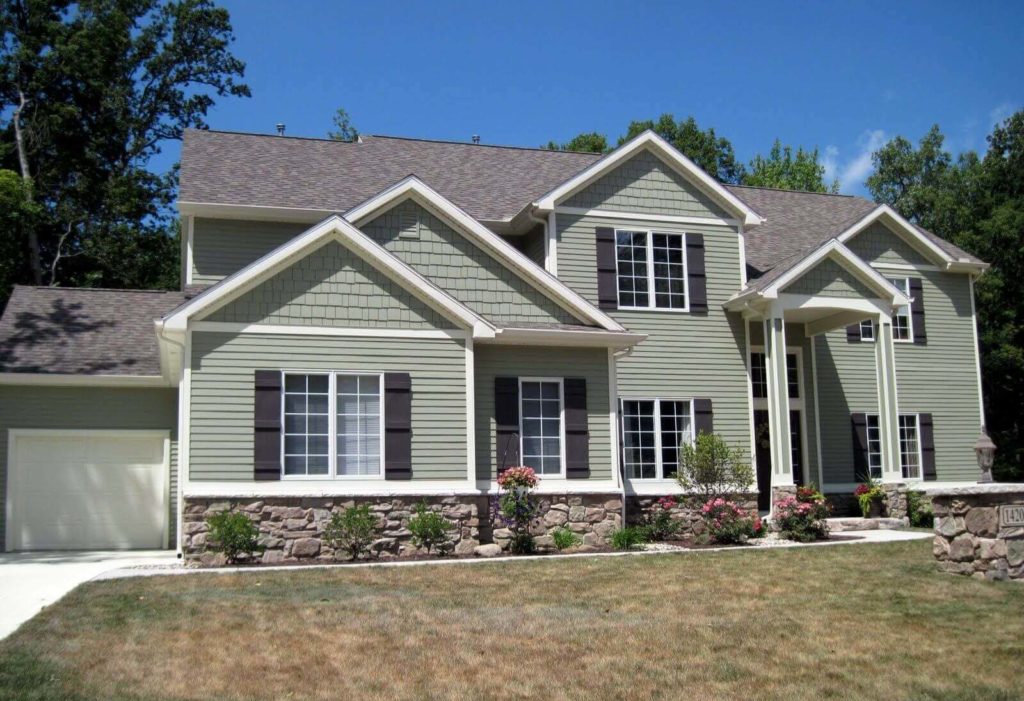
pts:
[651, 270]
[541, 404]
[867, 330]
[910, 446]
[901, 327]
[333, 425]
[653, 431]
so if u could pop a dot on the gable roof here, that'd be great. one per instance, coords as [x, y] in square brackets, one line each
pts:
[85, 331]
[549, 285]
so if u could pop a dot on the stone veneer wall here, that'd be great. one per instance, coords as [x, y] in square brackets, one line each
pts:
[686, 511]
[291, 528]
[969, 539]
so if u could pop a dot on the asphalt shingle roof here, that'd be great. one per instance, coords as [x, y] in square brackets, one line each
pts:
[58, 330]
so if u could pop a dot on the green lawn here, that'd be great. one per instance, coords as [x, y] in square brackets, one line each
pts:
[855, 621]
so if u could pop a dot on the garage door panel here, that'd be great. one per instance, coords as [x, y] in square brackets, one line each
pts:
[73, 491]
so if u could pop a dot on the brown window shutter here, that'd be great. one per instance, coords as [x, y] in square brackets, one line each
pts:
[267, 425]
[703, 417]
[695, 272]
[506, 418]
[397, 426]
[853, 333]
[917, 311]
[927, 438]
[607, 284]
[859, 424]
[577, 430]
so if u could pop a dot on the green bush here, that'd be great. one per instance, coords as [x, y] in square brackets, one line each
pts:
[919, 510]
[711, 468]
[658, 523]
[430, 529]
[522, 544]
[233, 534]
[565, 539]
[628, 538]
[352, 530]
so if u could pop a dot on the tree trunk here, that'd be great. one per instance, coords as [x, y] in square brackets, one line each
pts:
[33, 239]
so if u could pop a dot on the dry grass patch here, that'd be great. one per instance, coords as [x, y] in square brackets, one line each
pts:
[865, 621]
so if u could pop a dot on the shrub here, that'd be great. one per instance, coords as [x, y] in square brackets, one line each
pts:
[516, 508]
[565, 539]
[233, 534]
[659, 524]
[727, 522]
[867, 494]
[801, 517]
[712, 468]
[430, 529]
[919, 510]
[352, 530]
[628, 538]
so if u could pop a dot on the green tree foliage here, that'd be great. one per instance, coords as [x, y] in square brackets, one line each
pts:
[977, 203]
[344, 129]
[589, 142]
[90, 91]
[711, 152]
[784, 170]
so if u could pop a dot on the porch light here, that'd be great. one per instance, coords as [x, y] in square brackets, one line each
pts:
[985, 449]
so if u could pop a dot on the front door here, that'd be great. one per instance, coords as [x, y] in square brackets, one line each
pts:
[763, 454]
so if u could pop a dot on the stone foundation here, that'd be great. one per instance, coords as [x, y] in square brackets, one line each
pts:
[978, 531]
[686, 511]
[895, 502]
[593, 517]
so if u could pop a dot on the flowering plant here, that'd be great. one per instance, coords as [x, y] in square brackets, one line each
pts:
[658, 523]
[516, 508]
[802, 520]
[728, 522]
[868, 494]
[517, 477]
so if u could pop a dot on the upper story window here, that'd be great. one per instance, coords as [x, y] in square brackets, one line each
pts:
[901, 328]
[651, 270]
[867, 330]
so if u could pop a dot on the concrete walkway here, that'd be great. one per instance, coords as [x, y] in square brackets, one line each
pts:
[31, 581]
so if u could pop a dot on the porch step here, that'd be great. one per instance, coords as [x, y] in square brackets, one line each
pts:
[838, 525]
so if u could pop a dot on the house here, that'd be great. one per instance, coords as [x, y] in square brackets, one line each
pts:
[397, 319]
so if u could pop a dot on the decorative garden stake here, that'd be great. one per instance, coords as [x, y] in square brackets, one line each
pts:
[985, 449]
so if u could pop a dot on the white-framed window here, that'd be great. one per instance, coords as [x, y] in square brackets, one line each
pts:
[902, 329]
[759, 375]
[653, 430]
[867, 330]
[910, 446]
[541, 425]
[874, 435]
[333, 425]
[651, 270]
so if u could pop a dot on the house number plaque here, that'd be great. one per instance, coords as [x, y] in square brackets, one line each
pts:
[1011, 516]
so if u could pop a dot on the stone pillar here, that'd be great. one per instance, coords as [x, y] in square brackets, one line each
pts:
[888, 408]
[778, 401]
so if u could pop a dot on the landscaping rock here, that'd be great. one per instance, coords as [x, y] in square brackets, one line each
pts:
[961, 548]
[488, 550]
[306, 547]
[983, 521]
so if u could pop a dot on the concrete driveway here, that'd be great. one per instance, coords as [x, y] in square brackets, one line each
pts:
[30, 581]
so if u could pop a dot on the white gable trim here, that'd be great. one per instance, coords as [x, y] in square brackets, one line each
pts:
[412, 187]
[684, 166]
[332, 229]
[902, 228]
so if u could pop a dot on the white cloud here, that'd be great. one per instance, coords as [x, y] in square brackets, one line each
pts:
[829, 159]
[853, 171]
[1000, 113]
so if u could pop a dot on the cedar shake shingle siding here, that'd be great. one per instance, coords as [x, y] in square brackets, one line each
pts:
[829, 279]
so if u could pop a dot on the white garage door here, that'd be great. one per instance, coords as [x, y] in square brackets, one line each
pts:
[83, 490]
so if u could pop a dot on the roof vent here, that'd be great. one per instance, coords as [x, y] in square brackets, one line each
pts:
[280, 128]
[476, 138]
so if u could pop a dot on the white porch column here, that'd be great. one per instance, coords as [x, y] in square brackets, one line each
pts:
[778, 401]
[888, 408]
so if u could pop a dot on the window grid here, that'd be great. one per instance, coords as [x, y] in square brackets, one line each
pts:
[901, 329]
[874, 447]
[867, 330]
[653, 430]
[541, 412]
[792, 376]
[759, 375]
[910, 447]
[651, 270]
[358, 425]
[306, 435]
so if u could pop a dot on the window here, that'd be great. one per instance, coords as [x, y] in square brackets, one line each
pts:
[867, 330]
[759, 375]
[910, 447]
[874, 447]
[901, 330]
[792, 376]
[653, 430]
[320, 406]
[651, 270]
[541, 412]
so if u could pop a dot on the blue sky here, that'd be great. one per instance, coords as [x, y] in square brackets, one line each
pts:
[843, 76]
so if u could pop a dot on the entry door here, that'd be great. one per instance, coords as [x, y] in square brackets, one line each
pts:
[763, 454]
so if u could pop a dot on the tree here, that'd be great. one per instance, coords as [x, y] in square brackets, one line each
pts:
[785, 171]
[91, 91]
[588, 142]
[714, 154]
[344, 129]
[978, 204]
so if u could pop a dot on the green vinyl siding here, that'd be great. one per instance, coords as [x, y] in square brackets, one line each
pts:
[684, 355]
[223, 368]
[533, 244]
[331, 286]
[879, 244]
[514, 361]
[461, 268]
[829, 279]
[645, 184]
[941, 377]
[98, 408]
[221, 247]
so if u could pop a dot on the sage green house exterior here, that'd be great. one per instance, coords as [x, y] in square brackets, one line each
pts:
[463, 298]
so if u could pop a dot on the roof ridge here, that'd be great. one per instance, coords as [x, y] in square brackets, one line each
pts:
[95, 289]
[799, 192]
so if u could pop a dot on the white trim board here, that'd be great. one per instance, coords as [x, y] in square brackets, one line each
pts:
[293, 330]
[636, 216]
